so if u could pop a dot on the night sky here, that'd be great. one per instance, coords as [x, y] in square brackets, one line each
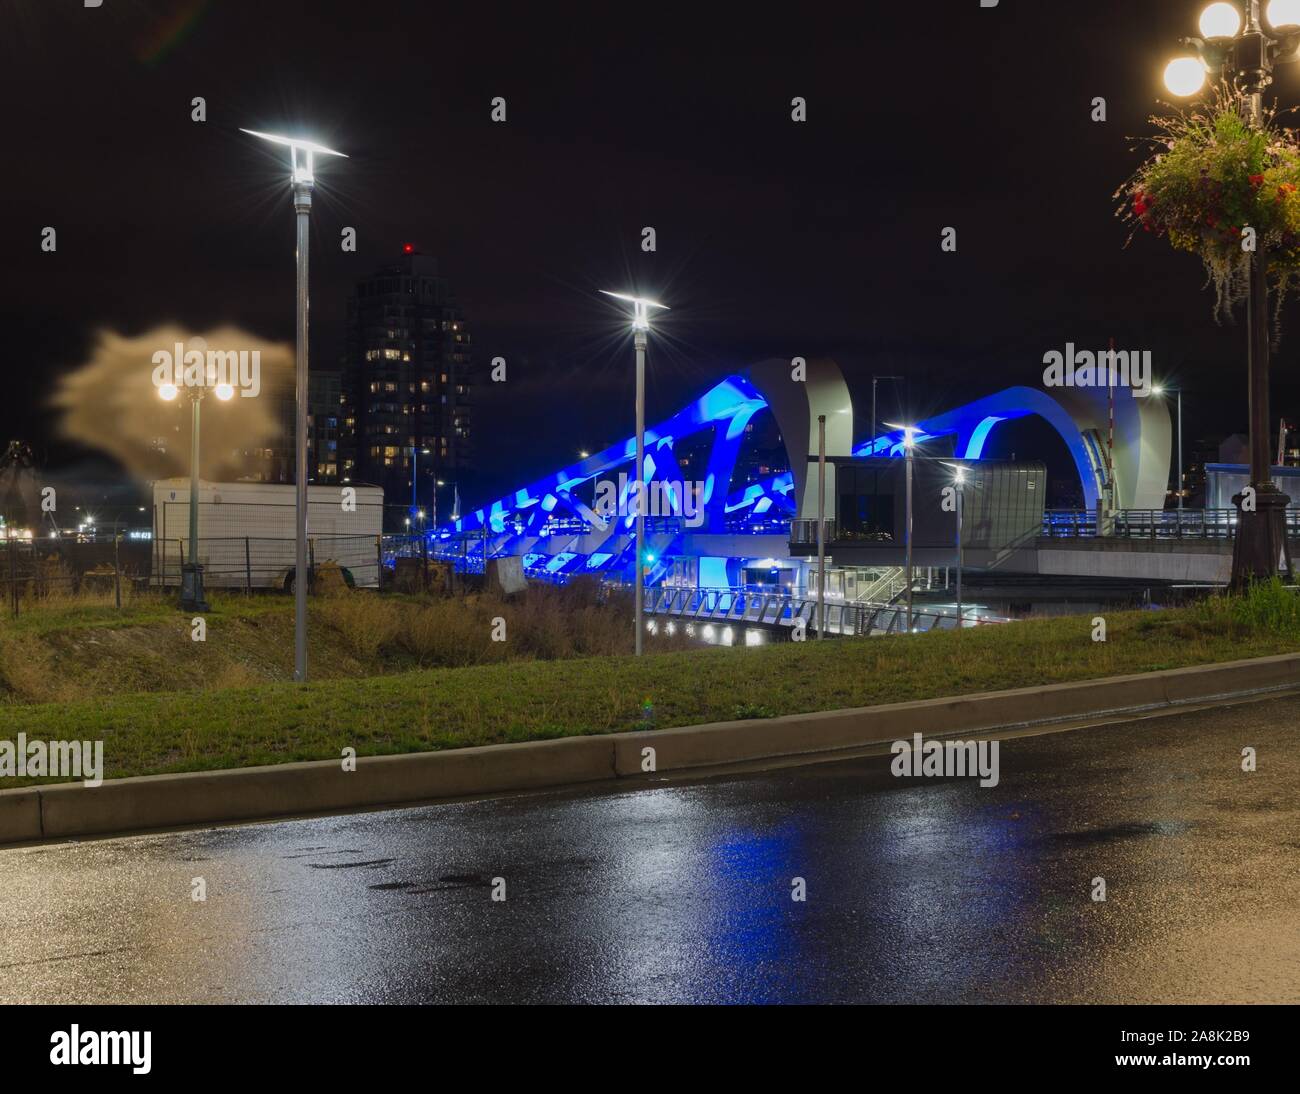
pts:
[774, 238]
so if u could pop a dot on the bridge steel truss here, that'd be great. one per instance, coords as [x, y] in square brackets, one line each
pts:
[560, 532]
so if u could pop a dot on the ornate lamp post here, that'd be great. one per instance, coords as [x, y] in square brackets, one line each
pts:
[192, 598]
[1247, 50]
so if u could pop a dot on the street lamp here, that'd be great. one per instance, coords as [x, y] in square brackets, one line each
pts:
[455, 504]
[640, 327]
[1160, 389]
[415, 471]
[959, 488]
[909, 442]
[1248, 50]
[302, 157]
[192, 599]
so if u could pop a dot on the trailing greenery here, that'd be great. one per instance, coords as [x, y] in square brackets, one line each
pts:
[1212, 175]
[220, 727]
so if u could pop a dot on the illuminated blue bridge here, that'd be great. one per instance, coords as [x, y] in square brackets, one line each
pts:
[712, 532]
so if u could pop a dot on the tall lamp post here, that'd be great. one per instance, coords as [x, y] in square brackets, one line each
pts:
[821, 527]
[415, 471]
[959, 490]
[302, 156]
[1160, 389]
[455, 508]
[1247, 50]
[192, 598]
[640, 328]
[909, 442]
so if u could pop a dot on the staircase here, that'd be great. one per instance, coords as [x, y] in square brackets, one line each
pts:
[886, 588]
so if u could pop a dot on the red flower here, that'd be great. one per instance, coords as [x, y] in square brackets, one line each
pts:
[1256, 180]
[1140, 204]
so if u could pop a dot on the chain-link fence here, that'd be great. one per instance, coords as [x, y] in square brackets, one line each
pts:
[33, 571]
[242, 546]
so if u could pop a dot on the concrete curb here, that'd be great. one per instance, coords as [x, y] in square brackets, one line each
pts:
[255, 793]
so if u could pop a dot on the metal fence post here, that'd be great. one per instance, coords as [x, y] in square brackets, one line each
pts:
[379, 563]
[11, 550]
[248, 568]
[117, 571]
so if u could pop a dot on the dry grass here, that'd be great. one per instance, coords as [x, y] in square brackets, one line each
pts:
[65, 647]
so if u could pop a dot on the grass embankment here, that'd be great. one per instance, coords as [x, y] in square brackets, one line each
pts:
[64, 649]
[146, 733]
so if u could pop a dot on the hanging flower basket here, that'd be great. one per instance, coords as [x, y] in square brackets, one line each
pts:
[1212, 175]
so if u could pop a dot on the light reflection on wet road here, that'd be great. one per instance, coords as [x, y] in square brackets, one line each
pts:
[935, 891]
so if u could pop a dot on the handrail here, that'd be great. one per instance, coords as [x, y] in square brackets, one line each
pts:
[1151, 524]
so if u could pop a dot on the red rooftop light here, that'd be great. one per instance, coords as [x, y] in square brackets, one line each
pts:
[408, 248]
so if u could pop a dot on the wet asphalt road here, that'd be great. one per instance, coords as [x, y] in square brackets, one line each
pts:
[917, 890]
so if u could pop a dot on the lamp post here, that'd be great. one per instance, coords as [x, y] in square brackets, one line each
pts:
[1248, 50]
[415, 471]
[640, 328]
[585, 455]
[821, 527]
[909, 442]
[455, 509]
[959, 490]
[302, 178]
[192, 599]
[1160, 389]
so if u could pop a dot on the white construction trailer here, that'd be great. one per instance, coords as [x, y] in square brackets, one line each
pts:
[247, 532]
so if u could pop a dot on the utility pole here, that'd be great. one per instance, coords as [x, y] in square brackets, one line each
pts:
[821, 526]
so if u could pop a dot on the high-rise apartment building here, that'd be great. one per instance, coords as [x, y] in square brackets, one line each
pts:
[406, 382]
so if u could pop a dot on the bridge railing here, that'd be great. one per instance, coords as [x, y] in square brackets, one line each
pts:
[738, 606]
[1156, 524]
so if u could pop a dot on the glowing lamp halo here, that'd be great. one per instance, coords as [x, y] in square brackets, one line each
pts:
[1184, 76]
[1220, 20]
[304, 168]
[1282, 16]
